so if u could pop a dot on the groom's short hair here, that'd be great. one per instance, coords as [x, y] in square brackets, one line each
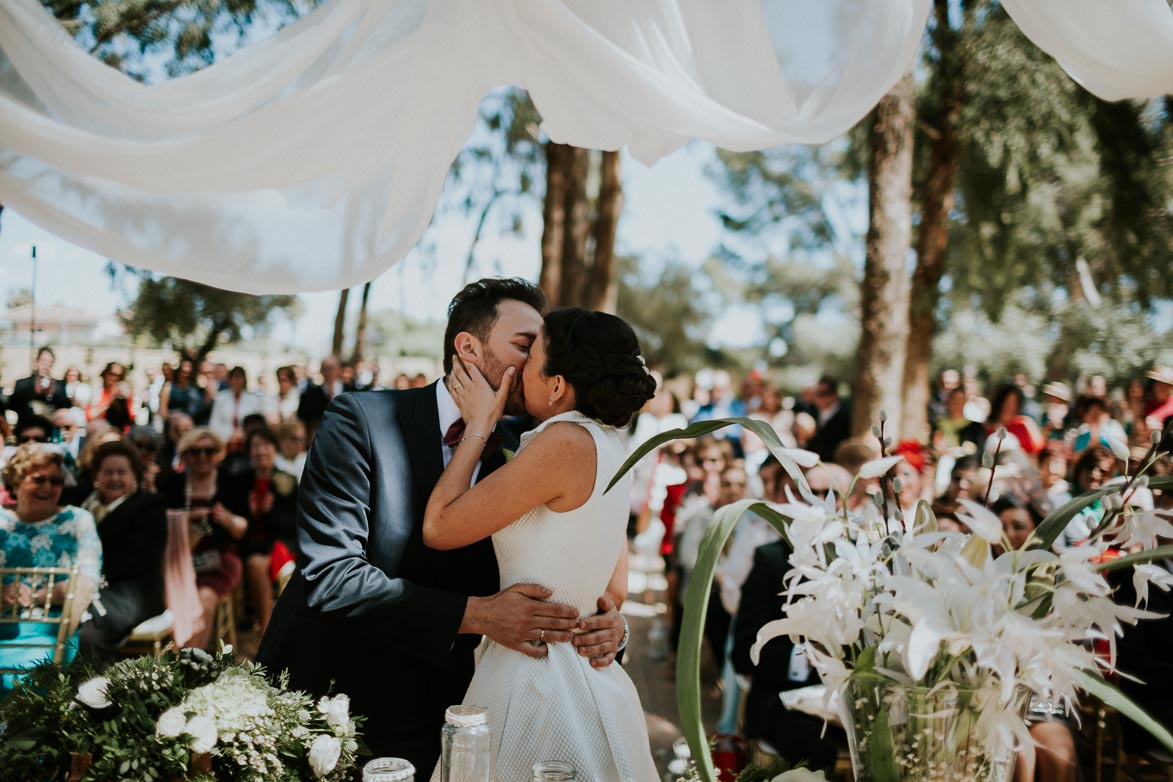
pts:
[474, 309]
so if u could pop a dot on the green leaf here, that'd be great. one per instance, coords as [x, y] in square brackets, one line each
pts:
[701, 428]
[1139, 558]
[692, 626]
[881, 753]
[1113, 697]
[1058, 519]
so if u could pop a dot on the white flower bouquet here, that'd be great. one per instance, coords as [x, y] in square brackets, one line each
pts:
[908, 624]
[177, 716]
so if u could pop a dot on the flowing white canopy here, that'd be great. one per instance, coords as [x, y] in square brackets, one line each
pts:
[314, 160]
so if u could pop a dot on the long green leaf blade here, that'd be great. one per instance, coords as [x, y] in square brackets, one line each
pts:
[1139, 558]
[1113, 697]
[692, 627]
[1058, 519]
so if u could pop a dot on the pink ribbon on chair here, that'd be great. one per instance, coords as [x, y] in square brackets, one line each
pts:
[183, 599]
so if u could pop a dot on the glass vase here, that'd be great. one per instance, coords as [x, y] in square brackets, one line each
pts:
[899, 733]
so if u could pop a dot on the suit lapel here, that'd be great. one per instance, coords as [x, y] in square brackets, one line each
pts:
[420, 421]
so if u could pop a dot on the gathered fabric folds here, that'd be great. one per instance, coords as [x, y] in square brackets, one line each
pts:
[313, 160]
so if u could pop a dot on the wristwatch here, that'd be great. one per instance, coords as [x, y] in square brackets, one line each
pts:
[626, 635]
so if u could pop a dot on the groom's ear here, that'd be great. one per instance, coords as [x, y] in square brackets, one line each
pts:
[468, 348]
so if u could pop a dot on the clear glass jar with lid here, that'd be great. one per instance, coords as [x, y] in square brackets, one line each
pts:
[553, 771]
[388, 770]
[465, 745]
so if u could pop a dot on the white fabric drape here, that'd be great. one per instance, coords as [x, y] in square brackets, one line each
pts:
[313, 160]
[1115, 48]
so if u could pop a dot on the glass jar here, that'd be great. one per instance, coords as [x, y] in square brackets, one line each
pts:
[388, 770]
[553, 771]
[465, 745]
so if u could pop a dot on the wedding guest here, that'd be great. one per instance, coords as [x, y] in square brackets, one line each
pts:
[231, 407]
[182, 394]
[69, 427]
[834, 419]
[114, 398]
[39, 394]
[1096, 425]
[781, 667]
[291, 445]
[282, 406]
[40, 532]
[132, 525]
[272, 532]
[314, 400]
[79, 483]
[1053, 470]
[1057, 413]
[723, 404]
[963, 480]
[1160, 406]
[953, 431]
[1053, 757]
[1006, 412]
[33, 429]
[1094, 467]
[219, 520]
[178, 424]
[76, 388]
[147, 442]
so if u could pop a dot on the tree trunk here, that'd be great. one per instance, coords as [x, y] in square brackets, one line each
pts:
[340, 323]
[932, 241]
[575, 273]
[884, 291]
[360, 333]
[554, 220]
[604, 285]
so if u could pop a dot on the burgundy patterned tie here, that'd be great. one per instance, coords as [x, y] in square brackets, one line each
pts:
[455, 433]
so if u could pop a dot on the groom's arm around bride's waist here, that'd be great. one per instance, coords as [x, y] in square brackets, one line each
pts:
[352, 539]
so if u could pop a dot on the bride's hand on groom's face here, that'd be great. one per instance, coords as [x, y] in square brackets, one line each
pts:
[479, 404]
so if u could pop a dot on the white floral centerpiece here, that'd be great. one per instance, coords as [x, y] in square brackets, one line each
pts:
[935, 641]
[176, 716]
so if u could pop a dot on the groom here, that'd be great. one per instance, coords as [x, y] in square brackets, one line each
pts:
[372, 611]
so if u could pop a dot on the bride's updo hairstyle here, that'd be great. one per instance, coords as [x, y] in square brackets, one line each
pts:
[598, 354]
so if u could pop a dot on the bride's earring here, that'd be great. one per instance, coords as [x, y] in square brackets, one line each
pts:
[550, 401]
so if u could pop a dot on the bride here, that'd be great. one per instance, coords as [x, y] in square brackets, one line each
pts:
[552, 524]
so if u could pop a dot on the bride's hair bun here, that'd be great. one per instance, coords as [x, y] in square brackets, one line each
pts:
[599, 356]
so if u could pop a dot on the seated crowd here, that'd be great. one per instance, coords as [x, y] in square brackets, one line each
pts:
[192, 477]
[195, 474]
[1056, 445]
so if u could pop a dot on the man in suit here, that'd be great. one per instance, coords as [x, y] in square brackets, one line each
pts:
[781, 666]
[373, 611]
[39, 394]
[316, 398]
[834, 419]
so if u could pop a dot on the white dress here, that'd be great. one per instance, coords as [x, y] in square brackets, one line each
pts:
[560, 708]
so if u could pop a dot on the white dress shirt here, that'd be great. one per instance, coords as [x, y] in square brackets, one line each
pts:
[449, 413]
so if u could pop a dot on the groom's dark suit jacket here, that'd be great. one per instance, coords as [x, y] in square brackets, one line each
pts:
[373, 610]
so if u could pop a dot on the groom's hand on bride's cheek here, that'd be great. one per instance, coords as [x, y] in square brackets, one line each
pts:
[520, 618]
[600, 635]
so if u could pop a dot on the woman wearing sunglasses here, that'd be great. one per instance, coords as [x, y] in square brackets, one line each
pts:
[217, 504]
[41, 533]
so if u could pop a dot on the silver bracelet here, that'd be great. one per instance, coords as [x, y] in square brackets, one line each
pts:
[626, 635]
[484, 440]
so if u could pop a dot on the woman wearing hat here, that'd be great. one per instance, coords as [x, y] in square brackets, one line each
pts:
[1160, 406]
